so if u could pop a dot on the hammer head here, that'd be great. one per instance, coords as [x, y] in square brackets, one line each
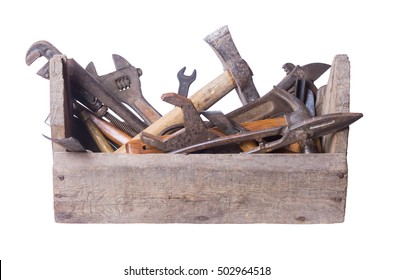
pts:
[223, 45]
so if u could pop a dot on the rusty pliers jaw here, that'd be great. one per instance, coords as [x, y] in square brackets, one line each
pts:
[310, 129]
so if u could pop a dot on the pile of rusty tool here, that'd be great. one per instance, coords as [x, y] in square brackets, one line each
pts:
[282, 120]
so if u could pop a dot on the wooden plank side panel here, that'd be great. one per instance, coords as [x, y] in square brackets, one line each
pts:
[60, 101]
[103, 188]
[336, 99]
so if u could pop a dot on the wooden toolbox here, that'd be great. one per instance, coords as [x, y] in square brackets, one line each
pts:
[200, 188]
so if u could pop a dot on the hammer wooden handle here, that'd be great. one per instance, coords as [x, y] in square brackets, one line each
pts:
[202, 100]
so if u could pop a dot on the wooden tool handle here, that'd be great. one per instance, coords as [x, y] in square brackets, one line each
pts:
[202, 100]
[259, 125]
[136, 146]
[95, 133]
[110, 131]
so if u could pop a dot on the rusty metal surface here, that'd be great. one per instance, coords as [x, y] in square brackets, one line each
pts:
[194, 131]
[86, 81]
[46, 49]
[124, 84]
[308, 129]
[293, 99]
[185, 81]
[222, 43]
[71, 144]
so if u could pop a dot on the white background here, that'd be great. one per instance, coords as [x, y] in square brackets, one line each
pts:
[161, 37]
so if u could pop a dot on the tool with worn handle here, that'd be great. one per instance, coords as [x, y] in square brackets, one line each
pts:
[93, 130]
[237, 74]
[111, 132]
[102, 111]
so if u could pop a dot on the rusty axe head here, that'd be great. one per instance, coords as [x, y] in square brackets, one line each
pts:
[223, 45]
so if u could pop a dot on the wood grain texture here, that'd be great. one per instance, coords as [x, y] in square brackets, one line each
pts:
[59, 109]
[336, 99]
[120, 188]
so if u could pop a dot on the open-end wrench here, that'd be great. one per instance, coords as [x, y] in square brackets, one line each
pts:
[124, 84]
[185, 81]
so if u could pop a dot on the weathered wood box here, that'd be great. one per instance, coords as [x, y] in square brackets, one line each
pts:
[201, 188]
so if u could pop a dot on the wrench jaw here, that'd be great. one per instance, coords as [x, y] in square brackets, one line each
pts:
[39, 49]
[185, 81]
[124, 84]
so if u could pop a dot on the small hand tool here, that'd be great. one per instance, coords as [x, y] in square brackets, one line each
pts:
[111, 132]
[99, 109]
[124, 83]
[308, 129]
[185, 81]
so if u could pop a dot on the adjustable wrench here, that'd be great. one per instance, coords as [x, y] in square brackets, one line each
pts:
[125, 85]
